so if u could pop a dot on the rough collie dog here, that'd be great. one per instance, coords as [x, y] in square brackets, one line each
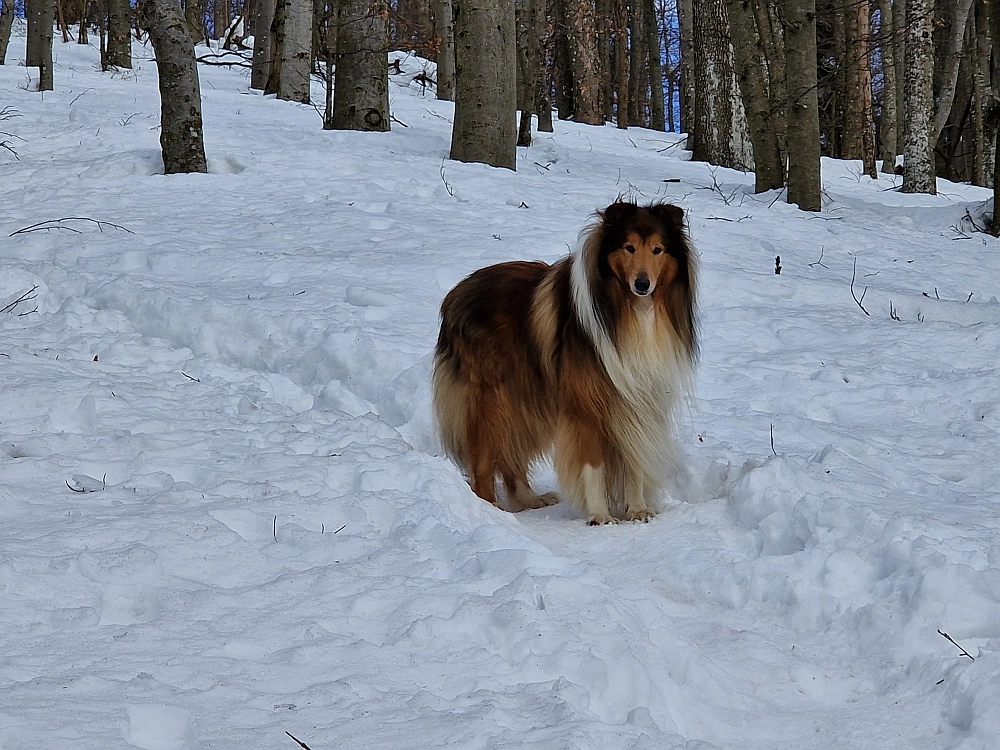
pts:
[586, 358]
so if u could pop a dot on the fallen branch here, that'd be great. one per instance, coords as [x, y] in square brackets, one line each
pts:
[26, 297]
[300, 743]
[859, 301]
[50, 224]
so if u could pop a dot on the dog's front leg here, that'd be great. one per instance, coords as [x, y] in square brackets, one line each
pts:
[594, 496]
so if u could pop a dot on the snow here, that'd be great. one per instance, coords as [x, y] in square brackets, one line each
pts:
[224, 515]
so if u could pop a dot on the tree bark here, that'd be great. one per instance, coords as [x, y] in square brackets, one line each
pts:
[721, 133]
[181, 139]
[444, 29]
[887, 128]
[527, 67]
[562, 68]
[685, 25]
[638, 66]
[485, 99]
[604, 19]
[195, 16]
[6, 21]
[38, 53]
[918, 114]
[361, 91]
[656, 118]
[545, 50]
[899, 26]
[119, 50]
[752, 74]
[263, 52]
[220, 18]
[582, 29]
[804, 176]
[622, 81]
[946, 68]
[296, 50]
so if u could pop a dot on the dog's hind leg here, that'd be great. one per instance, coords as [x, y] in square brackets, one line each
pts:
[520, 496]
[636, 508]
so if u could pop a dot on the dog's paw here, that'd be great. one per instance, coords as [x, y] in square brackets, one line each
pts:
[534, 502]
[601, 519]
[645, 515]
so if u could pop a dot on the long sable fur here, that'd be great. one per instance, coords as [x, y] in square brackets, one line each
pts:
[531, 355]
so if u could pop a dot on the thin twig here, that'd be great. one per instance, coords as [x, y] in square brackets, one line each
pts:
[301, 744]
[952, 640]
[772, 440]
[41, 226]
[859, 301]
[28, 295]
[820, 261]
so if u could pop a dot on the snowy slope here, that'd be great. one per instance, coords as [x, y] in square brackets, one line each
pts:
[267, 541]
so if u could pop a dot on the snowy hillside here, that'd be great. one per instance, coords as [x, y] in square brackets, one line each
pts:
[223, 516]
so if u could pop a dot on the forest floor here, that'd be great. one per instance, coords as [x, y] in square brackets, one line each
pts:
[224, 514]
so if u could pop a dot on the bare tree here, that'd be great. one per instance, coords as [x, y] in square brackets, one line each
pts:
[858, 140]
[220, 18]
[485, 98]
[887, 129]
[528, 66]
[6, 21]
[622, 62]
[38, 53]
[263, 54]
[656, 104]
[953, 22]
[181, 140]
[119, 45]
[581, 28]
[918, 112]
[444, 30]
[685, 26]
[291, 39]
[361, 91]
[194, 13]
[804, 178]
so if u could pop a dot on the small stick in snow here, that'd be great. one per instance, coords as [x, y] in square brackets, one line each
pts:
[274, 530]
[28, 295]
[859, 301]
[969, 297]
[340, 529]
[56, 224]
[772, 440]
[189, 377]
[447, 185]
[777, 264]
[300, 743]
[892, 311]
[952, 640]
[820, 261]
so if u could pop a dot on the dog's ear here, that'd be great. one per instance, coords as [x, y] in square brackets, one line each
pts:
[617, 212]
[669, 214]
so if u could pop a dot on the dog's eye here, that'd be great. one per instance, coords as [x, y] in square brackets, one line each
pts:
[657, 250]
[630, 248]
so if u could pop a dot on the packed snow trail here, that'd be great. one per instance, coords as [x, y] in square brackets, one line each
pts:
[223, 516]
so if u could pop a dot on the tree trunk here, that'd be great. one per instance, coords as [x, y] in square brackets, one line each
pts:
[361, 91]
[562, 67]
[887, 128]
[195, 16]
[605, 24]
[263, 52]
[81, 32]
[751, 72]
[62, 21]
[444, 29]
[181, 138]
[277, 43]
[527, 67]
[38, 53]
[119, 50]
[656, 121]
[721, 133]
[582, 29]
[638, 70]
[622, 82]
[853, 63]
[804, 177]
[296, 50]
[863, 79]
[545, 54]
[220, 19]
[918, 114]
[485, 100]
[6, 21]
[685, 25]
[899, 27]
[946, 67]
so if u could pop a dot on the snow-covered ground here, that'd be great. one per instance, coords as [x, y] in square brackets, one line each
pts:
[234, 371]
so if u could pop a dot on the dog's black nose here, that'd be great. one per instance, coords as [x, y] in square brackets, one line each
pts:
[641, 285]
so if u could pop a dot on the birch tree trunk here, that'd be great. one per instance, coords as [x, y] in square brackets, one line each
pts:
[887, 129]
[485, 99]
[361, 91]
[804, 177]
[119, 52]
[296, 51]
[444, 29]
[720, 129]
[38, 53]
[6, 21]
[752, 74]
[918, 112]
[263, 54]
[581, 29]
[181, 138]
[946, 68]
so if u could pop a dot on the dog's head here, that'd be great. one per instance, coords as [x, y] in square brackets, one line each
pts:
[644, 247]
